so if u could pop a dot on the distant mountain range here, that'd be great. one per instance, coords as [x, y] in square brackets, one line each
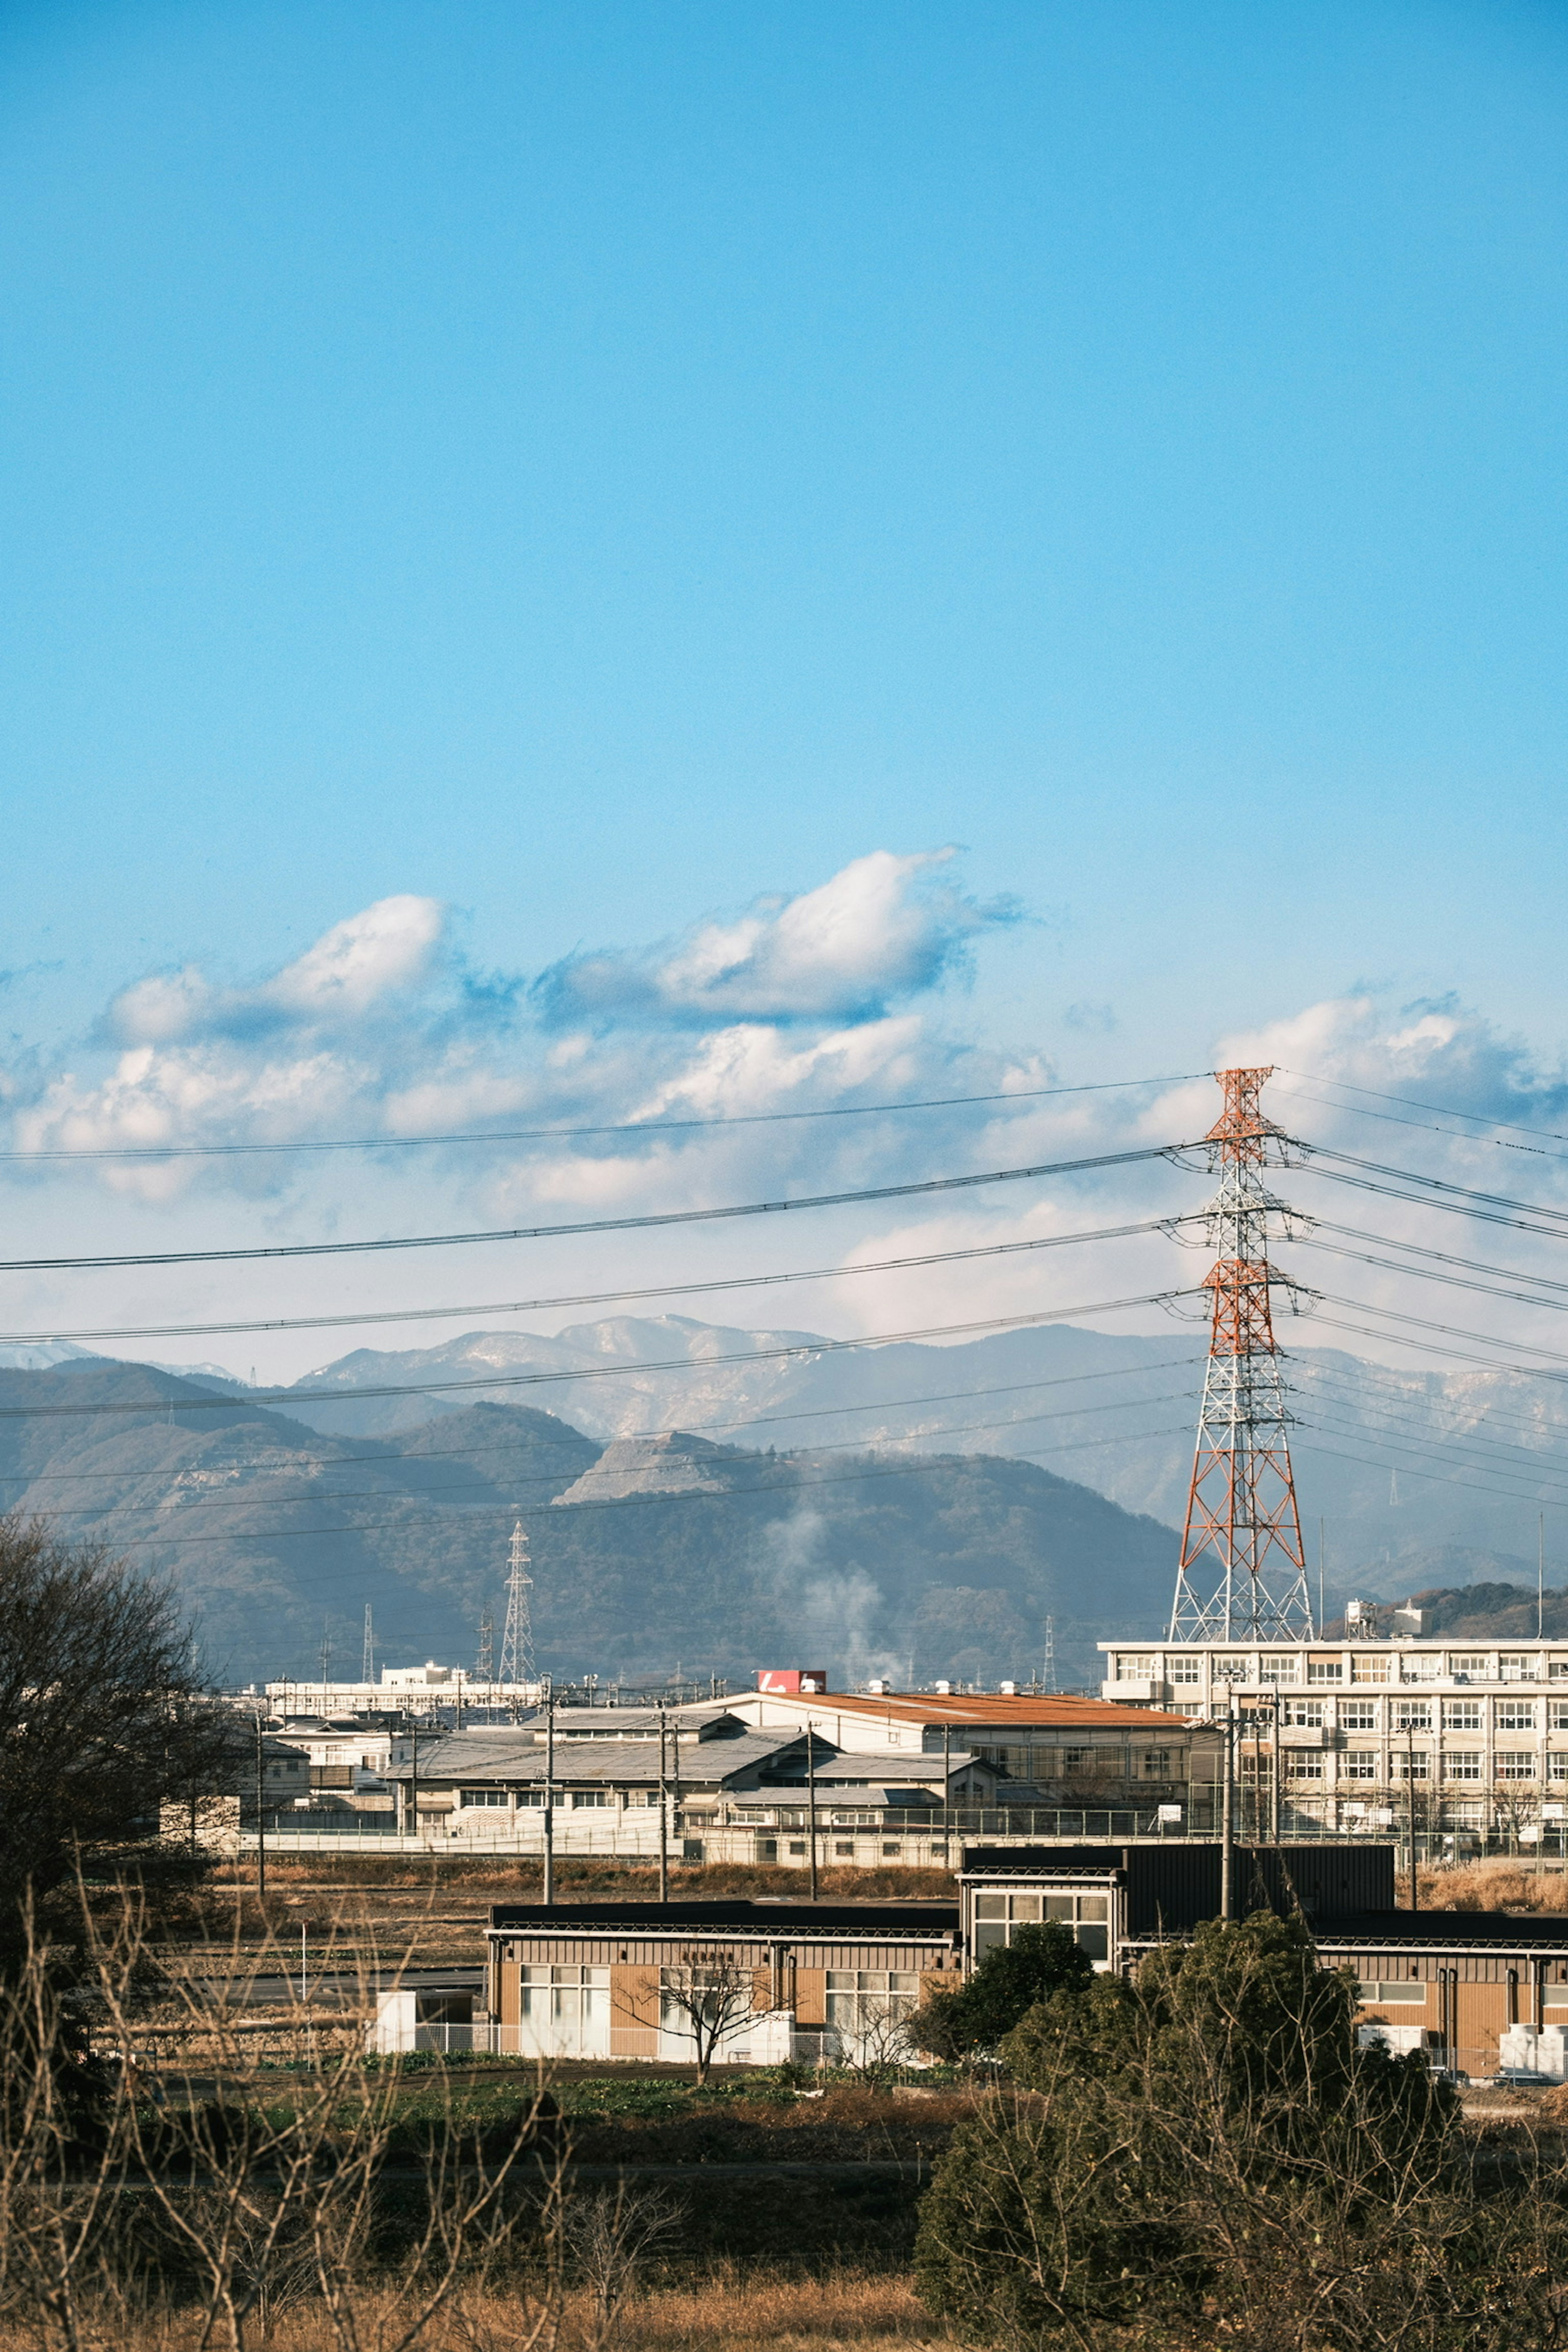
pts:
[648, 1554]
[902, 1508]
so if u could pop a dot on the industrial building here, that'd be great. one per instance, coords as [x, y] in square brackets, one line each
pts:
[714, 1789]
[873, 1779]
[1470, 1738]
[1481, 1992]
[792, 1980]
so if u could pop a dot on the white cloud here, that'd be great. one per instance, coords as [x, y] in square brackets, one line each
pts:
[378, 1028]
[356, 963]
[348, 970]
[880, 929]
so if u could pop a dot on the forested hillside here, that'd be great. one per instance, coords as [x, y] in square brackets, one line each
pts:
[646, 1555]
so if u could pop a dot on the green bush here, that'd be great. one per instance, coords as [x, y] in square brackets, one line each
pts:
[976, 2016]
[1204, 2156]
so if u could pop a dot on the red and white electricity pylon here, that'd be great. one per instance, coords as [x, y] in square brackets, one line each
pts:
[1243, 1574]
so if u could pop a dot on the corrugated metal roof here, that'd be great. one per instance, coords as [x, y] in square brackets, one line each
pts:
[1048, 1710]
[471, 1758]
[627, 1722]
[862, 1763]
[866, 1921]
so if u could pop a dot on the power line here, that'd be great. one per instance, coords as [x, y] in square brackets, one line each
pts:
[1429, 1183]
[1455, 1330]
[216, 1402]
[919, 1467]
[590, 1225]
[1522, 1223]
[1317, 1373]
[390, 1454]
[1438, 1415]
[1435, 1477]
[267, 1499]
[1440, 1449]
[1443, 1110]
[1430, 1348]
[1434, 1274]
[1439, 1257]
[542, 1134]
[591, 1297]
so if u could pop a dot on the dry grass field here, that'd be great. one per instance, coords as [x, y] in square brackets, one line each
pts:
[729, 2310]
[418, 1913]
[1503, 1884]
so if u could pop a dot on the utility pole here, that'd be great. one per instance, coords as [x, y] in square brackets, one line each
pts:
[459, 1723]
[1318, 1628]
[663, 1816]
[414, 1780]
[1227, 1812]
[1410, 1802]
[1242, 1575]
[260, 1803]
[1274, 1775]
[947, 1789]
[549, 1795]
[811, 1805]
[1541, 1579]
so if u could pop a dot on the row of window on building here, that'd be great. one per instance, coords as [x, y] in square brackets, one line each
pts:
[1457, 1764]
[1184, 1667]
[566, 2004]
[1418, 1714]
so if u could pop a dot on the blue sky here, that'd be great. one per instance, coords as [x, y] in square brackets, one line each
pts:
[583, 479]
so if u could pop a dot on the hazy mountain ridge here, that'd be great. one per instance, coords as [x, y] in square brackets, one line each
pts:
[712, 1556]
[1408, 1471]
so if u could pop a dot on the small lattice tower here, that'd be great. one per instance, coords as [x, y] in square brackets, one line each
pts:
[485, 1670]
[1243, 1574]
[368, 1670]
[517, 1641]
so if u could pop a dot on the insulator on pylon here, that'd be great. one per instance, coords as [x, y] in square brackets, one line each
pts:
[1243, 1574]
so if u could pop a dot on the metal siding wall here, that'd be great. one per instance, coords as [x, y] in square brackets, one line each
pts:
[1170, 1889]
[811, 1996]
[634, 2012]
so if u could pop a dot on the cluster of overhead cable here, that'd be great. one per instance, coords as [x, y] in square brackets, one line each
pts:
[1493, 1463]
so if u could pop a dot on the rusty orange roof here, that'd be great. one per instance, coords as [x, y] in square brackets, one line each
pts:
[1048, 1709]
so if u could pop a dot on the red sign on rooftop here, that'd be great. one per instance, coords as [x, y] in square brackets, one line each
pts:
[792, 1681]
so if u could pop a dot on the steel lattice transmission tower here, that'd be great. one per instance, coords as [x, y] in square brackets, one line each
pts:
[1243, 1574]
[517, 1641]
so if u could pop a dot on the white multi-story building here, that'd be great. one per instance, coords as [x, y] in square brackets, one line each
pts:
[1461, 1740]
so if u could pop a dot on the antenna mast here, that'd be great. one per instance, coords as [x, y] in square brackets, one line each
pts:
[516, 1642]
[1243, 1574]
[369, 1669]
[1049, 1673]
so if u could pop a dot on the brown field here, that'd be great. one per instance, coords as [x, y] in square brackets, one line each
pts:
[433, 1913]
[728, 2310]
[1503, 1884]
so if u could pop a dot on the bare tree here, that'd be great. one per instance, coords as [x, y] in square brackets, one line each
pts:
[880, 2040]
[704, 1998]
[261, 2206]
[1515, 1805]
[102, 1722]
[608, 2239]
